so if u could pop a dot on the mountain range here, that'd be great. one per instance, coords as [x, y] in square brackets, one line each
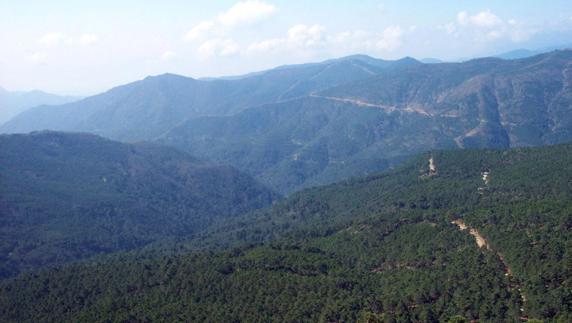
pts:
[413, 193]
[14, 103]
[148, 108]
[524, 53]
[304, 125]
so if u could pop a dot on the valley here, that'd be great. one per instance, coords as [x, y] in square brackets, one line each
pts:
[261, 161]
[381, 247]
[354, 189]
[341, 118]
[66, 197]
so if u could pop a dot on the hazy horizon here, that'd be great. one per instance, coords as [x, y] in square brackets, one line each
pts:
[65, 48]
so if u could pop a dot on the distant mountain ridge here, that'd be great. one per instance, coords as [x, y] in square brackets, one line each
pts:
[370, 124]
[145, 109]
[525, 53]
[13, 103]
[310, 124]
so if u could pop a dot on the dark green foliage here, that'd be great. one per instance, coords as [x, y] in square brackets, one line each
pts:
[65, 197]
[376, 249]
[335, 278]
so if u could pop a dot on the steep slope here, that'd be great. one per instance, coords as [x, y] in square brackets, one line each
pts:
[14, 103]
[309, 141]
[69, 196]
[367, 125]
[380, 248]
[145, 109]
[299, 126]
[498, 103]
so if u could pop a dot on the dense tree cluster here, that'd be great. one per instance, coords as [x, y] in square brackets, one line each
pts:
[375, 249]
[65, 197]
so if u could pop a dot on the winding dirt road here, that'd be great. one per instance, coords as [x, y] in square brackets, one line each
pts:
[514, 285]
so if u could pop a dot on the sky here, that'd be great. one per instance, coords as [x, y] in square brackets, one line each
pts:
[78, 47]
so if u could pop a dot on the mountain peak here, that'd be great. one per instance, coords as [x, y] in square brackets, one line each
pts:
[408, 60]
[372, 60]
[167, 76]
[360, 57]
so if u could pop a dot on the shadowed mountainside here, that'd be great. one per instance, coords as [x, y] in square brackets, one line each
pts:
[298, 126]
[65, 197]
[367, 125]
[380, 248]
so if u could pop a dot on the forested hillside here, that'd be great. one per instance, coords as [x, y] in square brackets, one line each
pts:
[300, 126]
[145, 109]
[377, 249]
[366, 125]
[65, 197]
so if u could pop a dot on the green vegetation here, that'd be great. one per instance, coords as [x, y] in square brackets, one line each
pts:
[65, 197]
[375, 249]
[367, 125]
[296, 127]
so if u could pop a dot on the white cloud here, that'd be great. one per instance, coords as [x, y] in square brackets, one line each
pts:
[266, 45]
[56, 38]
[38, 57]
[304, 40]
[214, 36]
[168, 55]
[485, 26]
[351, 42]
[349, 36]
[519, 32]
[450, 28]
[391, 39]
[483, 19]
[88, 39]
[200, 31]
[218, 47]
[246, 12]
[298, 37]
[52, 39]
[306, 36]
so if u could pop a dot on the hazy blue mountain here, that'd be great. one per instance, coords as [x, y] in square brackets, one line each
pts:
[430, 60]
[303, 125]
[488, 102]
[524, 53]
[306, 141]
[518, 53]
[370, 124]
[66, 196]
[13, 103]
[146, 109]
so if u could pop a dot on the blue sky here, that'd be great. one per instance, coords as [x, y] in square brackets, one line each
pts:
[81, 47]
